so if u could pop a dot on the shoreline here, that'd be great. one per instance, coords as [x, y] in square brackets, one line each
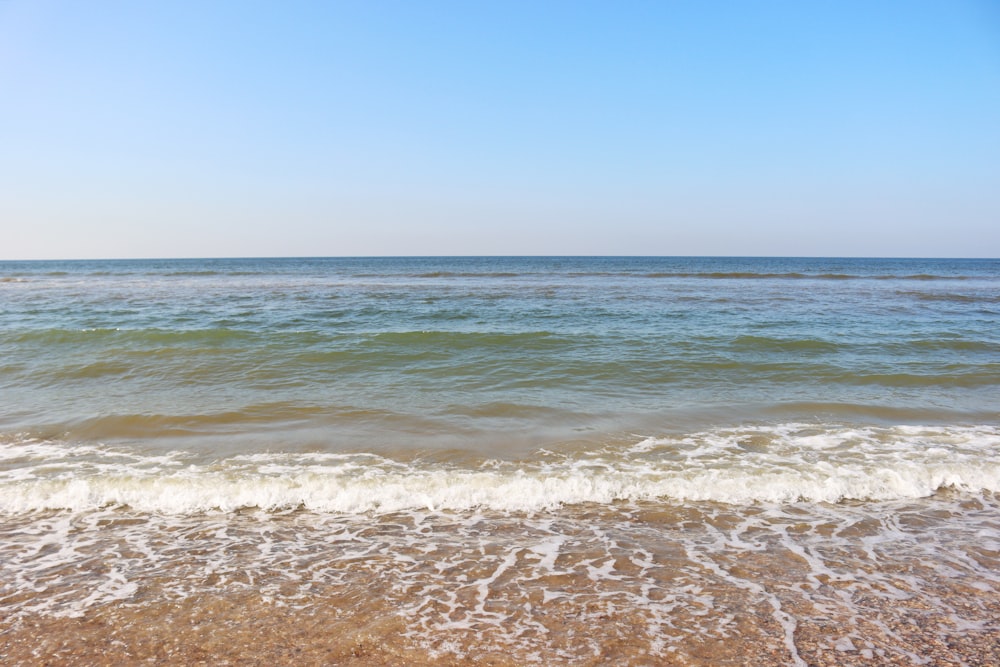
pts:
[899, 584]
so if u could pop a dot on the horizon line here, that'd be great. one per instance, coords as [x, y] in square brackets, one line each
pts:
[475, 256]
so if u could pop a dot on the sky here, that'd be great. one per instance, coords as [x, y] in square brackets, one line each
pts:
[384, 127]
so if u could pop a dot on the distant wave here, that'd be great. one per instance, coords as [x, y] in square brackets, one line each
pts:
[467, 274]
[451, 274]
[794, 275]
[951, 297]
[734, 275]
[475, 339]
[153, 336]
[206, 272]
[539, 358]
[203, 273]
[956, 344]
[985, 375]
[709, 275]
[766, 343]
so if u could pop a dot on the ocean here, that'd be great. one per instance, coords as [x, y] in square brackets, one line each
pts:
[500, 460]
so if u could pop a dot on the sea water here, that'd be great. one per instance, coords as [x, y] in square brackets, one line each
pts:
[613, 460]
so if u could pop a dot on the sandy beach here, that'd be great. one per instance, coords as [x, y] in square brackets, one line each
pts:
[661, 588]
[247, 630]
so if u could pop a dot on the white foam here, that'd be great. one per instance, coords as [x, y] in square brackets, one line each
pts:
[788, 463]
[512, 578]
[547, 551]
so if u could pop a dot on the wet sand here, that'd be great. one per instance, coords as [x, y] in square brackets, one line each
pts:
[804, 585]
[246, 630]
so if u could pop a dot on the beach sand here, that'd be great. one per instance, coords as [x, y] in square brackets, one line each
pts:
[951, 623]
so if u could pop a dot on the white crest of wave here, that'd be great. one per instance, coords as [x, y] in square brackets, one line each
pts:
[740, 466]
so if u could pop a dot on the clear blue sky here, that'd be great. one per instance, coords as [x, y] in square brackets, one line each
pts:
[192, 129]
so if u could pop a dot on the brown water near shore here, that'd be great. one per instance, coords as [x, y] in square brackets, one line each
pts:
[642, 584]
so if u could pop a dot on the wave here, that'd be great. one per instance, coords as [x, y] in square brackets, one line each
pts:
[96, 369]
[752, 343]
[732, 275]
[769, 344]
[267, 416]
[923, 276]
[193, 273]
[452, 340]
[153, 336]
[795, 275]
[162, 337]
[206, 273]
[951, 297]
[709, 275]
[867, 413]
[540, 359]
[470, 274]
[769, 464]
[964, 376]
[954, 344]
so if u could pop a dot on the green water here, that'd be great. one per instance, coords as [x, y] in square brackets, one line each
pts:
[488, 354]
